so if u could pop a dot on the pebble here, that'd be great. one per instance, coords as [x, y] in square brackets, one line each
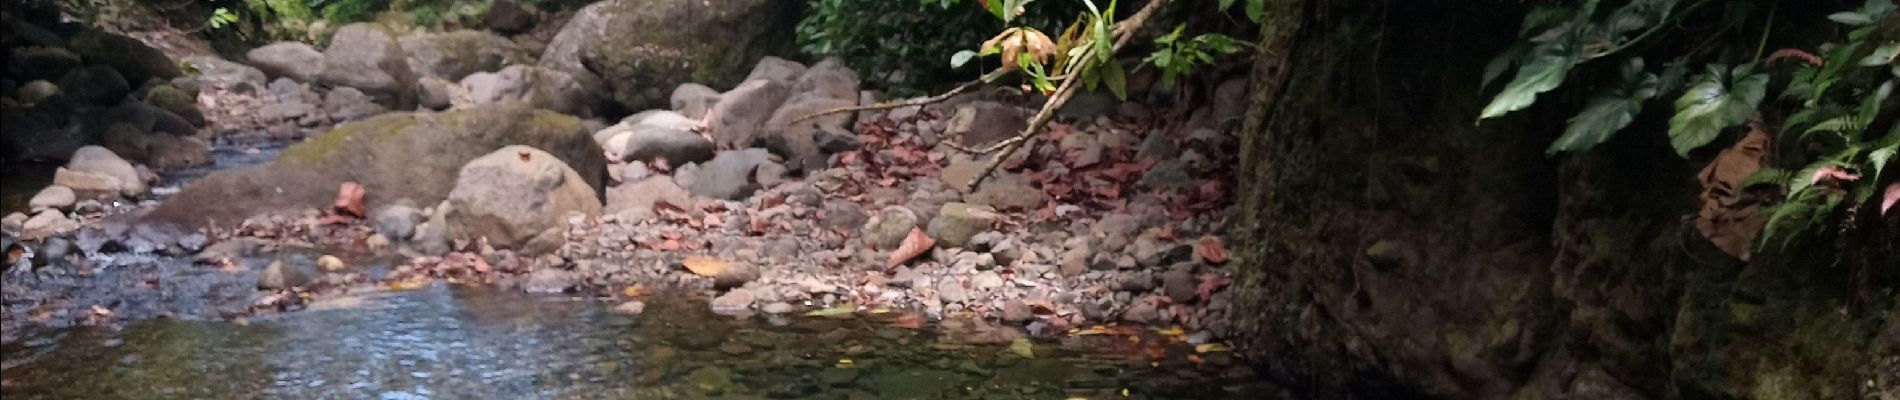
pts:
[778, 308]
[330, 263]
[634, 307]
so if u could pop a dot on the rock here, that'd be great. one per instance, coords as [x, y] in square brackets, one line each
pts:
[99, 160]
[1134, 281]
[550, 281]
[433, 237]
[1154, 252]
[1157, 146]
[840, 215]
[837, 140]
[694, 100]
[1075, 260]
[456, 54]
[1015, 311]
[349, 104]
[508, 17]
[987, 281]
[294, 60]
[376, 242]
[1088, 151]
[777, 69]
[1179, 283]
[380, 153]
[734, 301]
[434, 93]
[364, 57]
[1085, 105]
[638, 46]
[46, 223]
[738, 117]
[398, 221]
[982, 123]
[166, 152]
[636, 201]
[655, 138]
[53, 197]
[798, 142]
[36, 91]
[97, 85]
[36, 63]
[904, 277]
[1169, 174]
[13, 223]
[217, 73]
[952, 291]
[87, 184]
[731, 175]
[778, 308]
[888, 227]
[1229, 102]
[957, 222]
[540, 87]
[735, 275]
[631, 307]
[132, 58]
[329, 263]
[519, 198]
[1142, 312]
[285, 274]
[1005, 191]
[176, 101]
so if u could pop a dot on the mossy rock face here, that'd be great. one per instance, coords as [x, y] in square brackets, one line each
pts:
[398, 155]
[642, 49]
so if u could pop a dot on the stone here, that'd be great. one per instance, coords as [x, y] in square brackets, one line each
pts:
[217, 73]
[1168, 174]
[952, 291]
[551, 281]
[631, 307]
[13, 223]
[833, 140]
[380, 154]
[539, 87]
[1085, 105]
[36, 91]
[1179, 283]
[97, 85]
[737, 119]
[1153, 252]
[46, 223]
[735, 274]
[455, 54]
[1006, 191]
[1157, 146]
[133, 59]
[777, 69]
[798, 141]
[294, 60]
[99, 160]
[1015, 311]
[1230, 103]
[284, 273]
[1134, 281]
[330, 263]
[508, 17]
[36, 63]
[635, 50]
[730, 175]
[667, 135]
[172, 99]
[1087, 150]
[1075, 260]
[778, 308]
[905, 277]
[1142, 312]
[887, 228]
[519, 197]
[434, 93]
[349, 104]
[364, 57]
[398, 221]
[694, 100]
[637, 201]
[982, 123]
[734, 301]
[958, 222]
[987, 281]
[53, 197]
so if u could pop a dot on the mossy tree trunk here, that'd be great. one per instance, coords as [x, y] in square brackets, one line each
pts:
[1389, 246]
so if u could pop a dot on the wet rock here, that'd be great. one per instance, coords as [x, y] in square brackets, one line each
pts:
[36, 91]
[730, 175]
[364, 57]
[97, 85]
[294, 60]
[958, 222]
[398, 221]
[509, 17]
[53, 197]
[551, 280]
[711, 380]
[694, 100]
[888, 228]
[839, 377]
[778, 308]
[631, 307]
[777, 69]
[738, 117]
[519, 197]
[952, 291]
[734, 301]
[285, 273]
[47, 223]
[1179, 283]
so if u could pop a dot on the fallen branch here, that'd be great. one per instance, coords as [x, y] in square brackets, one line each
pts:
[986, 79]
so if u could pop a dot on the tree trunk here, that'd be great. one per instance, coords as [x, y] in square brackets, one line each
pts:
[1390, 247]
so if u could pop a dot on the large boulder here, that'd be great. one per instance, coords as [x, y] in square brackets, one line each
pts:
[658, 135]
[541, 87]
[453, 55]
[215, 72]
[641, 48]
[294, 60]
[95, 85]
[778, 69]
[736, 119]
[563, 52]
[365, 57]
[394, 156]
[694, 100]
[132, 58]
[31, 63]
[798, 141]
[829, 78]
[519, 197]
[101, 161]
[29, 134]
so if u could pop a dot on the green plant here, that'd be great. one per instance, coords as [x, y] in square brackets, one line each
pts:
[1830, 101]
[220, 18]
[1177, 56]
[904, 42]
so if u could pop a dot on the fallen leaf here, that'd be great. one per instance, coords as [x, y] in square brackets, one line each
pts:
[909, 320]
[1210, 250]
[635, 291]
[349, 200]
[1726, 218]
[1210, 285]
[834, 312]
[1212, 348]
[1022, 347]
[704, 266]
[914, 245]
[1893, 196]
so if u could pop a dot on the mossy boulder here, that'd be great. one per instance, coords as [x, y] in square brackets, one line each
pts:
[642, 49]
[132, 58]
[367, 57]
[453, 55]
[394, 156]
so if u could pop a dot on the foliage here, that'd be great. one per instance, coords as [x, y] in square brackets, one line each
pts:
[905, 42]
[1827, 107]
[220, 18]
[1176, 56]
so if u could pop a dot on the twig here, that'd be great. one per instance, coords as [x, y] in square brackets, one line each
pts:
[986, 79]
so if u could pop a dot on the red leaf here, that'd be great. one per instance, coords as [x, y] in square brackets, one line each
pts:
[914, 245]
[349, 200]
[1832, 176]
[1798, 54]
[1893, 196]
[1210, 285]
[1209, 249]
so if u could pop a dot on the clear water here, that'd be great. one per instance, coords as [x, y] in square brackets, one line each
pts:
[444, 342]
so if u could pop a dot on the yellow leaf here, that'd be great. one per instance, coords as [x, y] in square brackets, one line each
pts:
[1170, 331]
[1212, 348]
[834, 312]
[704, 266]
[635, 291]
[1022, 347]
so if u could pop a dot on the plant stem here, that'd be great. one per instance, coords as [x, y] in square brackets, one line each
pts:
[1767, 29]
[1652, 30]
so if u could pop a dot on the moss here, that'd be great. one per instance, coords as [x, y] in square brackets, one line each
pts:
[320, 147]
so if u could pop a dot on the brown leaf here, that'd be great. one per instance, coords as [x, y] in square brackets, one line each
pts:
[909, 320]
[349, 200]
[704, 266]
[1210, 285]
[1726, 218]
[1210, 250]
[914, 245]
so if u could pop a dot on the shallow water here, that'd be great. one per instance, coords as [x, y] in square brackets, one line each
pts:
[444, 342]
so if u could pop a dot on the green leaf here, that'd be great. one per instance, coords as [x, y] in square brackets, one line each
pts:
[1503, 62]
[1609, 111]
[1117, 82]
[962, 57]
[1022, 347]
[1226, 4]
[1719, 99]
[1850, 18]
[1766, 176]
[1882, 55]
[1257, 10]
[1541, 75]
[1879, 159]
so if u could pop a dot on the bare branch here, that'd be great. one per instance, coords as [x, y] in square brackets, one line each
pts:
[986, 79]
